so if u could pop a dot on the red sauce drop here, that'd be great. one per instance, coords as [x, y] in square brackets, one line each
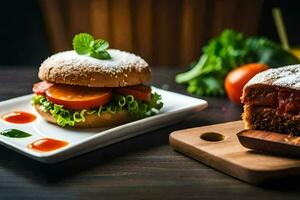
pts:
[47, 144]
[19, 117]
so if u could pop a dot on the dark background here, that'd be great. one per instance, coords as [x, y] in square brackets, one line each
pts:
[23, 36]
[24, 40]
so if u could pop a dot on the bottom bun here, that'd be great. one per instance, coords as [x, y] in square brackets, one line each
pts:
[93, 121]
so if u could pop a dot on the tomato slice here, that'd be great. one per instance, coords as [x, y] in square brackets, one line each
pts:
[78, 97]
[40, 88]
[139, 92]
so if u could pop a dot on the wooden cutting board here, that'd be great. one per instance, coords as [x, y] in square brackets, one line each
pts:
[224, 152]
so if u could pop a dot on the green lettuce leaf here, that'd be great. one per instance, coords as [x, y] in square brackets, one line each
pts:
[221, 55]
[224, 53]
[136, 108]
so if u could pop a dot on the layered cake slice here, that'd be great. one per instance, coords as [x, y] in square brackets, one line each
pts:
[272, 101]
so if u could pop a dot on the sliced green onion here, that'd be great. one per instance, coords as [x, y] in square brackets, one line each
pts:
[122, 101]
[133, 105]
[77, 117]
[82, 115]
[113, 109]
[42, 100]
[129, 99]
[99, 111]
[90, 112]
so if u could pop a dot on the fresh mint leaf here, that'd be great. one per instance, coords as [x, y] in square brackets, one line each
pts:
[102, 55]
[85, 44]
[82, 43]
[101, 45]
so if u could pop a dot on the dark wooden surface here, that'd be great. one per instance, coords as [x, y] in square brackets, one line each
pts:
[144, 167]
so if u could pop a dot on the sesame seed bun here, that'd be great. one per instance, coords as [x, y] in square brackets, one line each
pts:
[92, 121]
[124, 69]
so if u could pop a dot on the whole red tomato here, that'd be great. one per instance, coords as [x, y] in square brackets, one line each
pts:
[237, 79]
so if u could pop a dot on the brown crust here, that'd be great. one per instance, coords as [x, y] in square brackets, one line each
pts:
[67, 67]
[93, 121]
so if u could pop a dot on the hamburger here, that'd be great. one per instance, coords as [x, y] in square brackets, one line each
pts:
[93, 86]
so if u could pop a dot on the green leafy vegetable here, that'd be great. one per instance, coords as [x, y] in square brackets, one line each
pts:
[221, 55]
[14, 133]
[226, 52]
[270, 53]
[137, 109]
[85, 44]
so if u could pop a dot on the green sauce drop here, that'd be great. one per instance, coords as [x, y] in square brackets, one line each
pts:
[14, 133]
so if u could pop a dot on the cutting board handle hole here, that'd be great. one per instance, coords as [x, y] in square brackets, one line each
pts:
[212, 137]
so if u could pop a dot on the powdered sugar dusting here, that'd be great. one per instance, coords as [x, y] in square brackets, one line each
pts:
[70, 68]
[288, 76]
[120, 60]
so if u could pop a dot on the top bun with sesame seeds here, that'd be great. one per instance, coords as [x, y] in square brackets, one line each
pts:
[68, 67]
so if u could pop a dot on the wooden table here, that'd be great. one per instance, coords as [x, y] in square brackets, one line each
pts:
[144, 167]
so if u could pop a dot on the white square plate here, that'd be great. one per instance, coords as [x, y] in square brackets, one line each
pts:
[176, 108]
